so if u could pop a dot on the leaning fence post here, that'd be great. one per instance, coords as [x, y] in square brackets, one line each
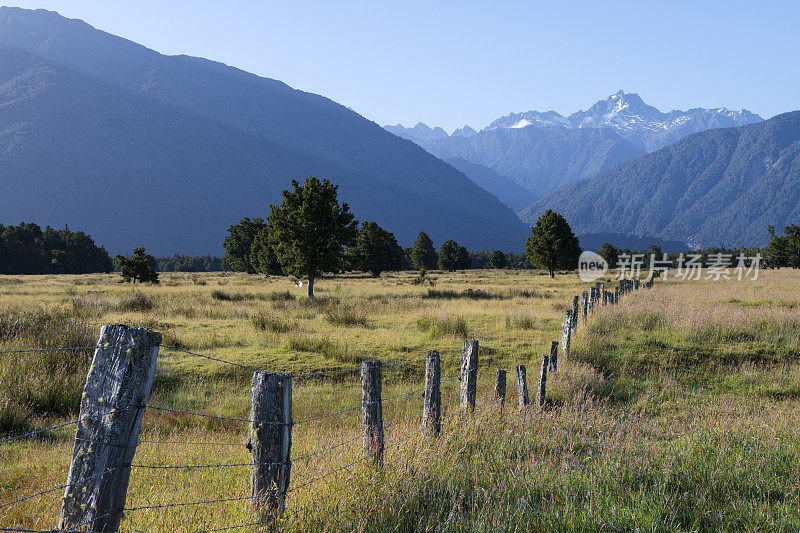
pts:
[500, 387]
[522, 387]
[372, 410]
[540, 394]
[554, 356]
[584, 305]
[567, 336]
[432, 410]
[270, 442]
[469, 375]
[112, 406]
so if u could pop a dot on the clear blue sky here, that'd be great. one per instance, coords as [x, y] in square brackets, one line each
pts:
[449, 63]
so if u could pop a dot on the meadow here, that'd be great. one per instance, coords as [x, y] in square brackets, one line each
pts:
[678, 409]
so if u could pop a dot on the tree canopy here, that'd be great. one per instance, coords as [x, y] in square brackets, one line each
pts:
[610, 254]
[498, 259]
[375, 250]
[309, 230]
[238, 245]
[26, 249]
[423, 254]
[552, 244]
[452, 256]
[784, 250]
[137, 267]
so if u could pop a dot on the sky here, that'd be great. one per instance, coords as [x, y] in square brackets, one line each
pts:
[450, 63]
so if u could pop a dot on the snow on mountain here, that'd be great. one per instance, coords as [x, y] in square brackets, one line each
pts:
[634, 120]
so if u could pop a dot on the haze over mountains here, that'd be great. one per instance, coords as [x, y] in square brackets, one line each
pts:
[716, 187]
[138, 148]
[541, 151]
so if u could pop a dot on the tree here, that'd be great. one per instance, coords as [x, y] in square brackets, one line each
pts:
[239, 243]
[424, 255]
[453, 257]
[552, 244]
[498, 259]
[784, 250]
[262, 255]
[610, 254]
[309, 230]
[375, 250]
[137, 267]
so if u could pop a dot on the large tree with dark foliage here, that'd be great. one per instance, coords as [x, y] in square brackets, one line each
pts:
[784, 250]
[189, 263]
[375, 250]
[238, 244]
[262, 255]
[552, 244]
[610, 254]
[309, 230]
[26, 249]
[137, 267]
[452, 256]
[424, 255]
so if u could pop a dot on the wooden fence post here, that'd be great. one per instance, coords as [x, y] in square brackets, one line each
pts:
[432, 410]
[616, 294]
[500, 387]
[604, 294]
[372, 410]
[540, 394]
[469, 375]
[584, 305]
[636, 283]
[112, 406]
[554, 356]
[566, 337]
[522, 387]
[575, 308]
[270, 442]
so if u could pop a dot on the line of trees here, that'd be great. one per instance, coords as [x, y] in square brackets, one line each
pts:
[27, 249]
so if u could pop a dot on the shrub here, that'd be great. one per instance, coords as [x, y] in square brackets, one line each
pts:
[444, 327]
[268, 322]
[223, 296]
[136, 301]
[340, 315]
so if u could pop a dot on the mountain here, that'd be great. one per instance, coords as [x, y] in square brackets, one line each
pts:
[138, 148]
[638, 123]
[502, 187]
[541, 151]
[538, 159]
[420, 132]
[465, 131]
[717, 187]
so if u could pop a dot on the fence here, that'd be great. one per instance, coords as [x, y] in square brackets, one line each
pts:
[117, 390]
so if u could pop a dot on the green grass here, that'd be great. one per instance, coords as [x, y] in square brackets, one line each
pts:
[678, 410]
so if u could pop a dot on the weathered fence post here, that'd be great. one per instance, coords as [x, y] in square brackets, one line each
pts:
[522, 387]
[604, 294]
[500, 387]
[575, 304]
[112, 406]
[584, 305]
[432, 410]
[566, 337]
[270, 442]
[554, 356]
[636, 283]
[469, 375]
[372, 410]
[616, 294]
[540, 394]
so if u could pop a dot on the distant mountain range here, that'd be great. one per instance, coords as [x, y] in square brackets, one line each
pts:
[716, 187]
[138, 148]
[541, 151]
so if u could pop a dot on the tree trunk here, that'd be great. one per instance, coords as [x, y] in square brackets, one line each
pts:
[310, 288]
[552, 274]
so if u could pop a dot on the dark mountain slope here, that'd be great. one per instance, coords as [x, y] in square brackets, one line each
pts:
[291, 134]
[711, 188]
[502, 187]
[539, 159]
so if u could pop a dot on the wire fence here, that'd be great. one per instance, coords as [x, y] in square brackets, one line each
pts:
[402, 409]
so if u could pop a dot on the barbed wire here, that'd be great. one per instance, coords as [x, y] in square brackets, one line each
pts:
[60, 487]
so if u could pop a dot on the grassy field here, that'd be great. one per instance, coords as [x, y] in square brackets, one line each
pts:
[678, 409]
